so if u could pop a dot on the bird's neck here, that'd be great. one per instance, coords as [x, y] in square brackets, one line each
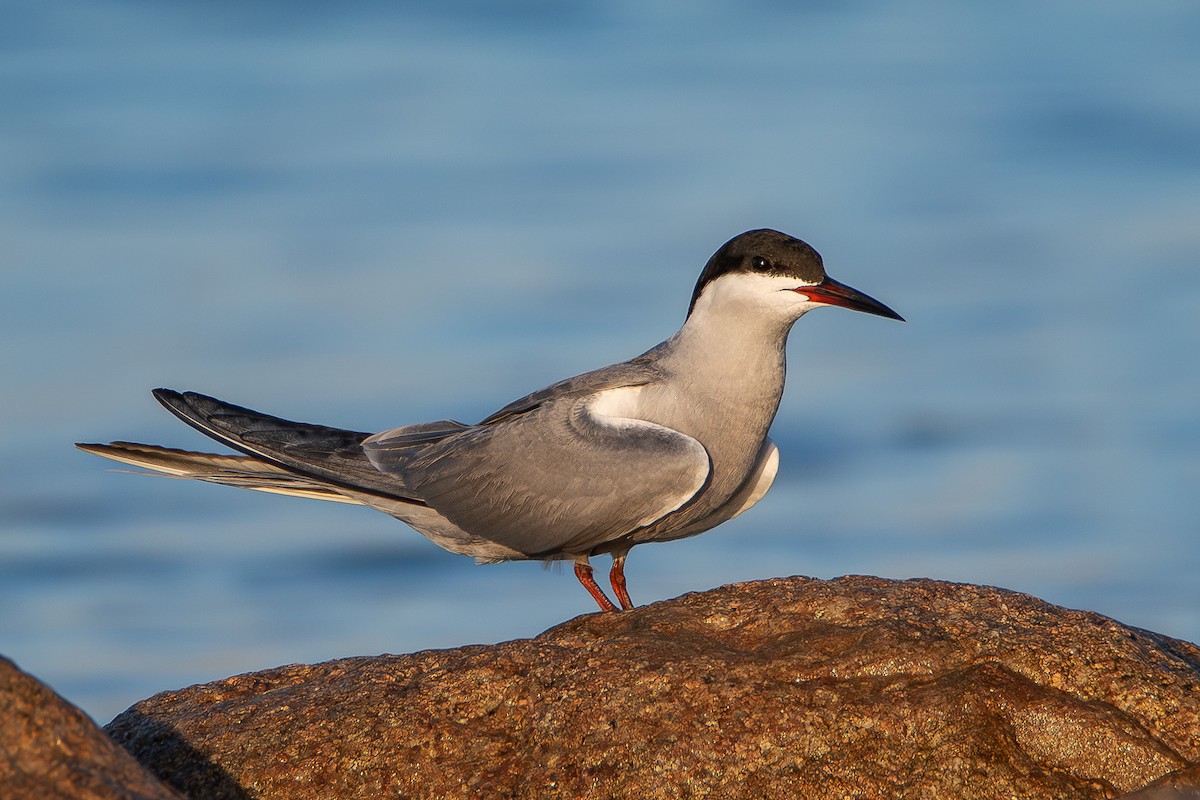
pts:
[725, 374]
[721, 385]
[731, 352]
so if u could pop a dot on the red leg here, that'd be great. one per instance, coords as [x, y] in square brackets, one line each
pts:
[583, 571]
[616, 576]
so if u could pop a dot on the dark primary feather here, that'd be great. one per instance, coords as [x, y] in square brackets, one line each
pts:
[329, 454]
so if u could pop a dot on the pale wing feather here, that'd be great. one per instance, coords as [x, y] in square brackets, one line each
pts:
[243, 472]
[417, 435]
[635, 372]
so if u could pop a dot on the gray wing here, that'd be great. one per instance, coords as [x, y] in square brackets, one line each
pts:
[562, 474]
[635, 372]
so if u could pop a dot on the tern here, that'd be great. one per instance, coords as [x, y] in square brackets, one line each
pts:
[666, 445]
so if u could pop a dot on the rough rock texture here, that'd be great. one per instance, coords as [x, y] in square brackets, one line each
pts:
[857, 687]
[49, 749]
[1182, 784]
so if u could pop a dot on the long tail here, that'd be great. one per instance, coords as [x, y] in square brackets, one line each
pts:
[281, 456]
[243, 472]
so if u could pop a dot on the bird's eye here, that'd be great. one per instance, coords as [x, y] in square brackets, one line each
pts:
[760, 263]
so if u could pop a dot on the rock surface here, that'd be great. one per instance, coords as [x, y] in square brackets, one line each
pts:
[50, 749]
[1182, 784]
[857, 687]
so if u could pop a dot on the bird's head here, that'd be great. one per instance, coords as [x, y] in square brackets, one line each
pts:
[770, 272]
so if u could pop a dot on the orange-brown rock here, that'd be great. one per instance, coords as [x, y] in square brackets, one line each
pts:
[50, 750]
[856, 687]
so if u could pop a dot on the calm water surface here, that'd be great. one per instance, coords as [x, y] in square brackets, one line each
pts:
[378, 213]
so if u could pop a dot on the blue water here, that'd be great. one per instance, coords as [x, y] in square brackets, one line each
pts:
[370, 214]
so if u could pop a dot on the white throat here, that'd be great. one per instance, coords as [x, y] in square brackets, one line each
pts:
[724, 369]
[741, 318]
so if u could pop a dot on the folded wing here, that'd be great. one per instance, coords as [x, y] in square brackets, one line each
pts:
[561, 471]
[564, 474]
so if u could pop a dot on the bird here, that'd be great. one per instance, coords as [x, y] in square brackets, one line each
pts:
[663, 446]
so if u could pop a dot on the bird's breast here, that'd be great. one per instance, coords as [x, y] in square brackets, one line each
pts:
[730, 418]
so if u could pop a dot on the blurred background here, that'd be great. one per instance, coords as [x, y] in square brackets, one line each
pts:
[369, 214]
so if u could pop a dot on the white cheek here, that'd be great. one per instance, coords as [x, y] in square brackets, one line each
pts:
[757, 294]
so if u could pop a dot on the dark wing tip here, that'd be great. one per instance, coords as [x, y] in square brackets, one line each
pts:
[192, 405]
